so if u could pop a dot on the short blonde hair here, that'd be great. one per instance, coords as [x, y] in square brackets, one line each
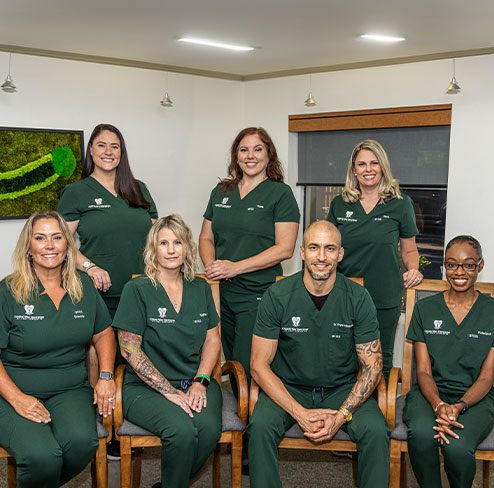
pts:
[176, 224]
[23, 281]
[389, 187]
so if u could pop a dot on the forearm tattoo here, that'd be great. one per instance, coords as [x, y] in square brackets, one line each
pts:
[371, 361]
[130, 345]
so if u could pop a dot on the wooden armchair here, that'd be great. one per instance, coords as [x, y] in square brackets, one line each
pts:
[294, 437]
[99, 466]
[407, 376]
[234, 414]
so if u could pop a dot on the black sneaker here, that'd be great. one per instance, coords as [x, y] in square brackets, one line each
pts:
[113, 450]
[157, 485]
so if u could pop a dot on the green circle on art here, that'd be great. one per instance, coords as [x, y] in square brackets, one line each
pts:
[64, 161]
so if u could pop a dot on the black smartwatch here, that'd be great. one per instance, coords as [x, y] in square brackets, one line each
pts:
[202, 379]
[464, 404]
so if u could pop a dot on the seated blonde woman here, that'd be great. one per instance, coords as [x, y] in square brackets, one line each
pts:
[169, 335]
[48, 314]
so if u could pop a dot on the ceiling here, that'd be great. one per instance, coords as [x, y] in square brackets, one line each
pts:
[290, 36]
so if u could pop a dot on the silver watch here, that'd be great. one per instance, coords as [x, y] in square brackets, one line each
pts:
[105, 375]
[86, 265]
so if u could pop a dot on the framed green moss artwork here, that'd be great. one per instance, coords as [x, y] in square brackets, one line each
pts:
[35, 166]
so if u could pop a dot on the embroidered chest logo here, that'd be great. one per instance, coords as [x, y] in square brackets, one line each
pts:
[295, 321]
[98, 201]
[349, 214]
[162, 312]
[295, 325]
[29, 309]
[437, 324]
[224, 201]
[99, 204]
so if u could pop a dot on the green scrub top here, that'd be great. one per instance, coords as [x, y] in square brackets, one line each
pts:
[457, 352]
[172, 341]
[112, 233]
[43, 349]
[316, 348]
[371, 244]
[245, 227]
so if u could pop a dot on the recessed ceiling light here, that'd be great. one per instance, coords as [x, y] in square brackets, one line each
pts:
[379, 38]
[203, 42]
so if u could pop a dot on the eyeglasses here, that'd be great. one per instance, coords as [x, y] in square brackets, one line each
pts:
[468, 267]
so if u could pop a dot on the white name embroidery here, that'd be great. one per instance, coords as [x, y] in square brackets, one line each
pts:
[336, 324]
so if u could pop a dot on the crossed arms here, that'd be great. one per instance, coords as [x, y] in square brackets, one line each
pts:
[318, 424]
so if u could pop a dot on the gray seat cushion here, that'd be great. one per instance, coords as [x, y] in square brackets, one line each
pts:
[102, 432]
[229, 413]
[295, 432]
[399, 433]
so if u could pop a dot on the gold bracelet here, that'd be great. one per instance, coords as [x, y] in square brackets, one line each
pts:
[346, 413]
[438, 405]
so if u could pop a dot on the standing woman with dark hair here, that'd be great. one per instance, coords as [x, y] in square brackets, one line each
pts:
[250, 226]
[111, 211]
[373, 217]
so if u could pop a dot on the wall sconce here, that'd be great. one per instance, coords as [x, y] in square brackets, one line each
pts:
[8, 85]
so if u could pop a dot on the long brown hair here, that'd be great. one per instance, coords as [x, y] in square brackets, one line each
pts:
[22, 282]
[274, 169]
[126, 186]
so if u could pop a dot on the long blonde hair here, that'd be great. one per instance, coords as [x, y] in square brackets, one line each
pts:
[176, 224]
[23, 281]
[389, 187]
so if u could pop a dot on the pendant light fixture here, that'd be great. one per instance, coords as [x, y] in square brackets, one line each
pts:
[166, 101]
[453, 87]
[310, 101]
[8, 85]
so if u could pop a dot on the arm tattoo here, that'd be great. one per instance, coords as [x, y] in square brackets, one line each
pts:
[130, 345]
[371, 361]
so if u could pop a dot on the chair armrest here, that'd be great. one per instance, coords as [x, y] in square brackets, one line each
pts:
[394, 377]
[235, 368]
[118, 412]
[108, 425]
[253, 396]
[381, 395]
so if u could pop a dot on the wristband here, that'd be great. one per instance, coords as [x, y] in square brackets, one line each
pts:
[346, 414]
[437, 406]
[203, 379]
[464, 404]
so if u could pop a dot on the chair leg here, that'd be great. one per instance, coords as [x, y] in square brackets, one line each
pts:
[136, 469]
[99, 467]
[395, 461]
[216, 467]
[12, 472]
[403, 472]
[125, 461]
[237, 459]
[485, 473]
[355, 468]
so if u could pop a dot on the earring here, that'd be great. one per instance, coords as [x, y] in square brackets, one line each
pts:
[29, 256]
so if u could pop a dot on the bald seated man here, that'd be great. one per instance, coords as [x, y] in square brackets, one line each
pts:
[312, 330]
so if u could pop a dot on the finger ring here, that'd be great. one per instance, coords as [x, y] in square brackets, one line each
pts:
[204, 398]
[110, 399]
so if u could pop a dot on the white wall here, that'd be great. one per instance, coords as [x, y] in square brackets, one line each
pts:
[178, 152]
[471, 166]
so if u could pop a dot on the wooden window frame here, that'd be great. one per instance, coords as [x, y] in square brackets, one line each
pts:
[419, 116]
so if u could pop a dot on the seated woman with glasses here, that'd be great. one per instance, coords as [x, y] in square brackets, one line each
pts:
[169, 335]
[453, 403]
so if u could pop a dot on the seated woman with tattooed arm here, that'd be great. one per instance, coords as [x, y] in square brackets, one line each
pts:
[169, 335]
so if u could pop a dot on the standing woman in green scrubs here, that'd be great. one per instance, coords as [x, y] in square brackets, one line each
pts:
[169, 335]
[111, 211]
[373, 217]
[48, 314]
[250, 226]
[453, 402]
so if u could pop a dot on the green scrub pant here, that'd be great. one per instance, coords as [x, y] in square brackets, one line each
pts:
[187, 442]
[459, 454]
[49, 455]
[268, 424]
[238, 317]
[388, 320]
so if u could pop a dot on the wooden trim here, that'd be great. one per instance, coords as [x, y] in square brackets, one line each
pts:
[427, 115]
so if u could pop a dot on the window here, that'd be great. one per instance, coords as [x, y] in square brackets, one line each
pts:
[416, 140]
